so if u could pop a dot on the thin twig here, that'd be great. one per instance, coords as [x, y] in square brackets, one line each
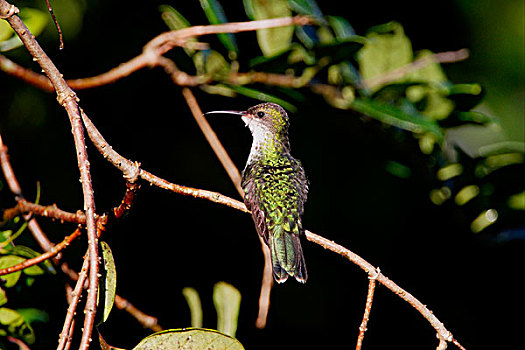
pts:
[20, 343]
[266, 287]
[126, 203]
[51, 211]
[144, 319]
[442, 332]
[213, 140]
[50, 9]
[38, 259]
[67, 329]
[368, 308]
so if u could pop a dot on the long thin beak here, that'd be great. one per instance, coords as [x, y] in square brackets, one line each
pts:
[241, 113]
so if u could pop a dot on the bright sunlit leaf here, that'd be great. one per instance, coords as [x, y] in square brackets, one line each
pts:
[194, 302]
[485, 219]
[466, 194]
[227, 301]
[272, 40]
[109, 283]
[189, 339]
[517, 201]
[386, 49]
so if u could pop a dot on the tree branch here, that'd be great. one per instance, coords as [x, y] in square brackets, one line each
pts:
[68, 99]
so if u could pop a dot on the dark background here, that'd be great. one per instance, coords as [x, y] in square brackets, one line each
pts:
[171, 241]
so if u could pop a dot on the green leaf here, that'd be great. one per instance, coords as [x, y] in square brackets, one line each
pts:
[16, 325]
[215, 14]
[3, 297]
[388, 114]
[34, 19]
[386, 49]
[189, 339]
[5, 31]
[465, 96]
[175, 21]
[272, 40]
[8, 261]
[31, 315]
[307, 7]
[212, 63]
[517, 201]
[227, 301]
[8, 316]
[194, 302]
[341, 27]
[29, 253]
[108, 283]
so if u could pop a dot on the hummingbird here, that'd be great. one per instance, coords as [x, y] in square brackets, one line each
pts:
[275, 188]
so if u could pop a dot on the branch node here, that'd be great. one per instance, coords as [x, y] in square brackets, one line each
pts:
[374, 277]
[13, 10]
[64, 95]
[132, 173]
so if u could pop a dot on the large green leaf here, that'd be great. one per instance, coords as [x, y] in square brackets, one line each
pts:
[189, 339]
[386, 49]
[227, 301]
[271, 40]
[215, 14]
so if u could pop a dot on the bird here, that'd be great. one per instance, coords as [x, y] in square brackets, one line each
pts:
[275, 188]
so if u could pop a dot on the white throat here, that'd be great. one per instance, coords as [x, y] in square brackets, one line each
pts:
[262, 138]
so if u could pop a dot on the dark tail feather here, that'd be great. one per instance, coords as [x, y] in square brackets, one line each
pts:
[287, 258]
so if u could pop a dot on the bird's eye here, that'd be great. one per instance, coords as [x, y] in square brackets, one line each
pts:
[260, 114]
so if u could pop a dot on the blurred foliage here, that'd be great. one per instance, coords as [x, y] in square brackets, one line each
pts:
[352, 72]
[17, 322]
